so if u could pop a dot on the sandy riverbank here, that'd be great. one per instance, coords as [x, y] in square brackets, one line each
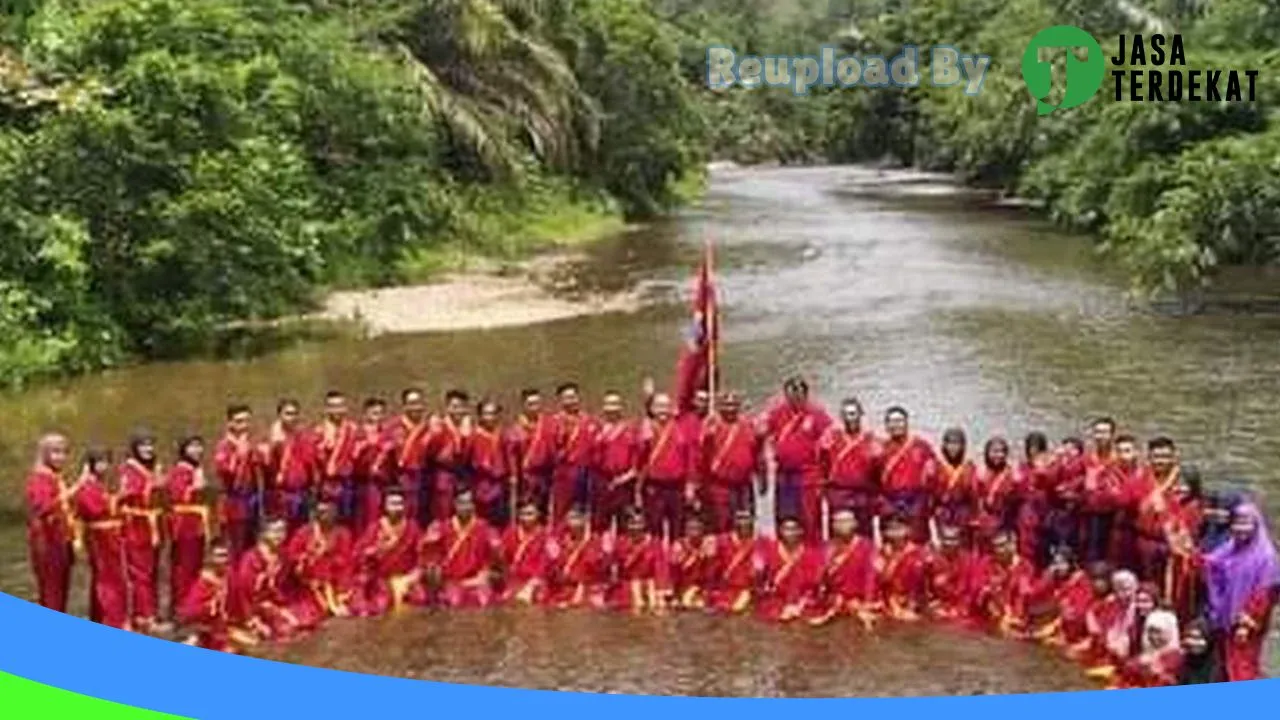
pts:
[486, 298]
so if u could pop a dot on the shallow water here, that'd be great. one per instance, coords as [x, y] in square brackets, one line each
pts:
[896, 288]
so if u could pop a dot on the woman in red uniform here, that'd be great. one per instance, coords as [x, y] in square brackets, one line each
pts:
[50, 527]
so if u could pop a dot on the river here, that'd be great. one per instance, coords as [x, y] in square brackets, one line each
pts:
[897, 288]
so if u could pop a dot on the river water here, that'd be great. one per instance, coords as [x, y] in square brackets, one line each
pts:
[896, 288]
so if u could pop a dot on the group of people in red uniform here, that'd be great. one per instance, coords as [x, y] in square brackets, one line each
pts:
[1115, 556]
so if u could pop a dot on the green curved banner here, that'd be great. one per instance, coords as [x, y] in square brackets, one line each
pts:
[27, 700]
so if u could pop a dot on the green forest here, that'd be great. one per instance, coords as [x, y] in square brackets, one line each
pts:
[170, 167]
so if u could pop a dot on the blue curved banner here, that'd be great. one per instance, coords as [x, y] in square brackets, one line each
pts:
[81, 657]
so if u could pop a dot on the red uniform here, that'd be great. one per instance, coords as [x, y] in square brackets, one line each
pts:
[447, 457]
[410, 440]
[1002, 595]
[955, 503]
[950, 579]
[490, 476]
[580, 571]
[1034, 483]
[104, 527]
[1101, 497]
[527, 555]
[321, 562]
[374, 462]
[796, 435]
[900, 573]
[1244, 645]
[643, 579]
[731, 458]
[691, 563]
[1153, 516]
[140, 503]
[1136, 483]
[735, 573]
[204, 609]
[1150, 670]
[240, 469]
[531, 452]
[50, 536]
[571, 478]
[906, 480]
[1057, 608]
[336, 454]
[462, 556]
[615, 452]
[851, 463]
[995, 497]
[257, 599]
[666, 463]
[792, 580]
[189, 529]
[848, 581]
[293, 469]
[388, 566]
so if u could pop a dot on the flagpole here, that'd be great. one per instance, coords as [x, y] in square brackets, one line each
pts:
[713, 329]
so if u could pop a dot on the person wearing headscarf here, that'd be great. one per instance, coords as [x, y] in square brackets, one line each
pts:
[50, 524]
[1159, 662]
[1199, 661]
[141, 504]
[1110, 623]
[189, 519]
[97, 505]
[1215, 520]
[1242, 577]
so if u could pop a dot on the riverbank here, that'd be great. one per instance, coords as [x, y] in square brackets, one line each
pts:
[485, 295]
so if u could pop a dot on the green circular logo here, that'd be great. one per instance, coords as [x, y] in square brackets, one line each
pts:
[1083, 77]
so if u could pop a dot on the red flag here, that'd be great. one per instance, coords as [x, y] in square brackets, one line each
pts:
[696, 367]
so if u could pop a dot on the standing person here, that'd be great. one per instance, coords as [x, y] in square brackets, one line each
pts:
[337, 442]
[1243, 578]
[1134, 482]
[1100, 492]
[908, 475]
[448, 453]
[189, 521]
[731, 453]
[851, 457]
[142, 505]
[793, 430]
[576, 431]
[50, 524]
[994, 490]
[615, 452]
[97, 505]
[1154, 505]
[531, 449]
[411, 432]
[240, 468]
[666, 465]
[491, 477]
[1064, 525]
[293, 466]
[1035, 480]
[374, 463]
[955, 503]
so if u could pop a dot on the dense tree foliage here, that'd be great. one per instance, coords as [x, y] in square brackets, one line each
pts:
[167, 166]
